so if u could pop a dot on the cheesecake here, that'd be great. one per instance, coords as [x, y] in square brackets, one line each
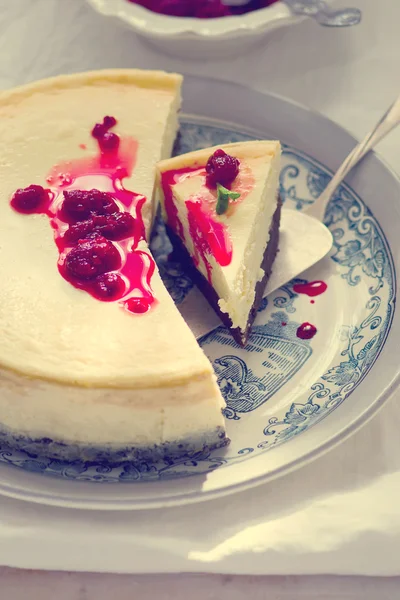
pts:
[222, 210]
[95, 359]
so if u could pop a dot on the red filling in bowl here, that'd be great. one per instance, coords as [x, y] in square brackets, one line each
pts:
[202, 9]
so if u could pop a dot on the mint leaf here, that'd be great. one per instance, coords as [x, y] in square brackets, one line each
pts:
[223, 197]
[222, 203]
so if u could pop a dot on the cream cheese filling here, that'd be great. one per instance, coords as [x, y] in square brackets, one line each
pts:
[88, 416]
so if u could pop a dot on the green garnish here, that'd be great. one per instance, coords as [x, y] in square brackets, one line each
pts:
[223, 197]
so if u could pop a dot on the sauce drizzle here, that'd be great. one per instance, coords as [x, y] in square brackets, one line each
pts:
[208, 231]
[105, 171]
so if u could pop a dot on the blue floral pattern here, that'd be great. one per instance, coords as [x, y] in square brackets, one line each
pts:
[283, 355]
[360, 355]
[251, 379]
[361, 249]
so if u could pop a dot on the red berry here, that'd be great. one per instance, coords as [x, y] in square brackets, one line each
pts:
[221, 168]
[109, 122]
[113, 227]
[109, 286]
[109, 141]
[78, 231]
[101, 129]
[29, 199]
[92, 257]
[210, 9]
[174, 8]
[79, 205]
[98, 131]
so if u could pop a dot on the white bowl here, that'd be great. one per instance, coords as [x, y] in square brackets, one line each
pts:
[198, 38]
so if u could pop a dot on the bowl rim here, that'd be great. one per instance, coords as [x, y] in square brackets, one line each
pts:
[147, 22]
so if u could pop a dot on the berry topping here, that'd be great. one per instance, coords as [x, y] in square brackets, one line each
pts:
[79, 205]
[92, 257]
[87, 222]
[209, 9]
[174, 8]
[221, 168]
[113, 227]
[109, 141]
[109, 286]
[202, 9]
[79, 231]
[29, 199]
[98, 131]
[109, 122]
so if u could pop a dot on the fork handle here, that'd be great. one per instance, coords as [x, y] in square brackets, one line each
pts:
[389, 121]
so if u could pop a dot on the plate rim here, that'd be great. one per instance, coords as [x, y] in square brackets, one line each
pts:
[193, 497]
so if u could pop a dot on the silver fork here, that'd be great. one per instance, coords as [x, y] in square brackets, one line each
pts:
[316, 9]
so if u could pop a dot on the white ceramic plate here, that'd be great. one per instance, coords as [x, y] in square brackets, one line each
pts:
[289, 399]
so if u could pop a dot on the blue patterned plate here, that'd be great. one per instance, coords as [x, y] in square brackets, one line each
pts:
[288, 399]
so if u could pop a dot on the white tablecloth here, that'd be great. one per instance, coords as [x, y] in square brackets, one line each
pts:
[351, 75]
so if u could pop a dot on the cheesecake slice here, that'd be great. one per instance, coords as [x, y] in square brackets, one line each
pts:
[222, 210]
[95, 360]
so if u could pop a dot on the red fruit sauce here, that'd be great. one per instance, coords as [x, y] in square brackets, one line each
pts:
[209, 236]
[97, 222]
[202, 9]
[306, 331]
[311, 289]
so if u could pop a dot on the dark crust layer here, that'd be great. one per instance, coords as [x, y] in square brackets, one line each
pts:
[241, 336]
[111, 456]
